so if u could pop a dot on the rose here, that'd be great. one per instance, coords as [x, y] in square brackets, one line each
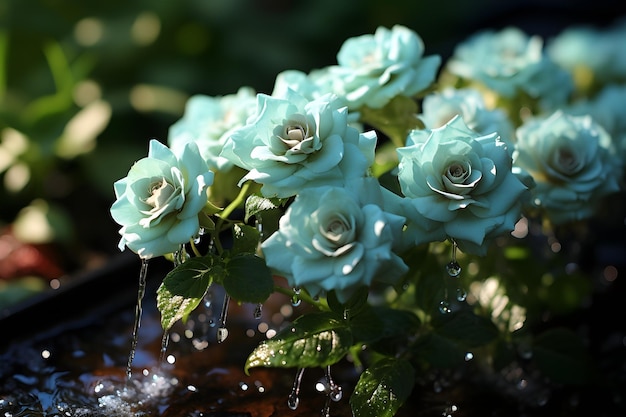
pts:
[607, 109]
[460, 185]
[572, 161]
[208, 120]
[293, 143]
[158, 202]
[511, 63]
[440, 107]
[336, 238]
[373, 69]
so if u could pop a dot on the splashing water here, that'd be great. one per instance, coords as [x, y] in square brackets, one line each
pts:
[143, 273]
[293, 400]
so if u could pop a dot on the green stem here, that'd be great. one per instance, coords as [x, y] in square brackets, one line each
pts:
[225, 213]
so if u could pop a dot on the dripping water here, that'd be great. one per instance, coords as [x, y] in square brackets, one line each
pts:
[258, 311]
[293, 400]
[143, 273]
[453, 270]
[222, 331]
[165, 340]
[333, 392]
[295, 298]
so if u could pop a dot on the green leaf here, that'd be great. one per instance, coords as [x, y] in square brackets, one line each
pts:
[352, 306]
[438, 351]
[246, 239]
[560, 355]
[248, 279]
[383, 388]
[381, 322]
[256, 204]
[467, 328]
[184, 288]
[312, 340]
[453, 335]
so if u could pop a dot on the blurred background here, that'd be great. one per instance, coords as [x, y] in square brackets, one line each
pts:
[84, 85]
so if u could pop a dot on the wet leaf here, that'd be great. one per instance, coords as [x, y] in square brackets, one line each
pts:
[183, 289]
[561, 356]
[380, 322]
[313, 340]
[245, 239]
[383, 388]
[256, 204]
[248, 279]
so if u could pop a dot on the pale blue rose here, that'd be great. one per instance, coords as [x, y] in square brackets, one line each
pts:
[511, 63]
[440, 107]
[585, 52]
[460, 185]
[311, 86]
[208, 120]
[573, 162]
[373, 69]
[158, 202]
[607, 109]
[337, 238]
[293, 143]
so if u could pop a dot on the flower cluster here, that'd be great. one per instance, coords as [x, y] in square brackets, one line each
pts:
[353, 177]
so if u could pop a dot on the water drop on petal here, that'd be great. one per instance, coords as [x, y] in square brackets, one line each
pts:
[461, 294]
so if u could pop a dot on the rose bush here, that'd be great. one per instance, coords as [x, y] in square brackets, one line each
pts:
[364, 225]
[158, 202]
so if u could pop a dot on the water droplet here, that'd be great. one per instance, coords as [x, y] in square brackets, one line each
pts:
[346, 314]
[469, 356]
[293, 400]
[222, 334]
[336, 393]
[143, 273]
[258, 311]
[444, 307]
[295, 298]
[453, 269]
[461, 294]
[164, 343]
